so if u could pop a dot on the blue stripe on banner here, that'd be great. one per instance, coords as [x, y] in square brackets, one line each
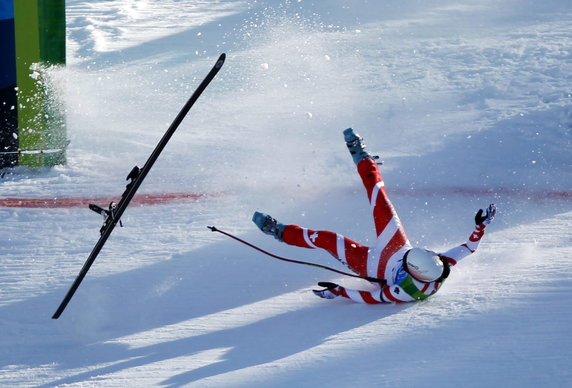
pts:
[7, 54]
[6, 9]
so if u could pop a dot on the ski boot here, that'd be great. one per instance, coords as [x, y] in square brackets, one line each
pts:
[268, 225]
[356, 147]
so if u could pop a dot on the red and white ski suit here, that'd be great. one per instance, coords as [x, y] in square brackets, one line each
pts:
[384, 260]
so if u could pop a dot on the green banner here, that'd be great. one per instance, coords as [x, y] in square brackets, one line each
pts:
[40, 42]
[52, 27]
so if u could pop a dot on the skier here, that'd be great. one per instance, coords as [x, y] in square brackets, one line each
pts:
[409, 273]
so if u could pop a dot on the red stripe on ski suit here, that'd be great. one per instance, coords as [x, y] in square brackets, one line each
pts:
[383, 210]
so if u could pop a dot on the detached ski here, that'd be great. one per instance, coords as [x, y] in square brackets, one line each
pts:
[112, 215]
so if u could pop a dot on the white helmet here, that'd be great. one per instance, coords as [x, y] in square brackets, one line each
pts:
[423, 265]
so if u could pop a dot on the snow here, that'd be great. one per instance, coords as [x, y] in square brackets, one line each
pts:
[467, 103]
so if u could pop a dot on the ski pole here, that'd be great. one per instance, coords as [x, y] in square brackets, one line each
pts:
[368, 278]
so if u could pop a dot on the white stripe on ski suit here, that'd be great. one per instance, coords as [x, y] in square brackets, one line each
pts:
[341, 248]
[355, 296]
[383, 239]
[307, 238]
[375, 193]
[374, 254]
[340, 245]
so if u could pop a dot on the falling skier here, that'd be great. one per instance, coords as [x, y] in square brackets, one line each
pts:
[409, 273]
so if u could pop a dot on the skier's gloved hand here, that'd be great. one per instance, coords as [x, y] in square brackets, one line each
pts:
[486, 218]
[329, 292]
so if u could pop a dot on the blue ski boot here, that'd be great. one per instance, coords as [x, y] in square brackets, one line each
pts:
[268, 225]
[357, 147]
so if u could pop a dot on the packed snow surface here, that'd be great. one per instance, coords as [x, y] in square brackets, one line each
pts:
[468, 103]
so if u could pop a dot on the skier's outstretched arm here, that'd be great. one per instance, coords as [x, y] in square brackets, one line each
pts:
[454, 255]
[333, 290]
[384, 294]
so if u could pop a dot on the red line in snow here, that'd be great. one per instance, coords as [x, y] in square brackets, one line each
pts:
[524, 194]
[533, 195]
[71, 202]
[161, 198]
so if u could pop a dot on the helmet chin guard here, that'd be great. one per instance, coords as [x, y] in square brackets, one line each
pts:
[424, 265]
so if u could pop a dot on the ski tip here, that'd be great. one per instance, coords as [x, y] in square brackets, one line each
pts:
[220, 61]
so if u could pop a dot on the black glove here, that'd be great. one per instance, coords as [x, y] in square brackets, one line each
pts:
[326, 293]
[486, 218]
[328, 285]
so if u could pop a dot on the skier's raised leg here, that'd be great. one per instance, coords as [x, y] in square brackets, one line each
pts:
[383, 212]
[391, 237]
[348, 252]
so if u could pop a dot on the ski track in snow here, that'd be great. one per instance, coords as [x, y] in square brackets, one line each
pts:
[467, 104]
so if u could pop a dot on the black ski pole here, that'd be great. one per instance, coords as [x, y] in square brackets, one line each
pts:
[368, 278]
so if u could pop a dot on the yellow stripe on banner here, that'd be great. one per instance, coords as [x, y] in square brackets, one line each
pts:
[30, 123]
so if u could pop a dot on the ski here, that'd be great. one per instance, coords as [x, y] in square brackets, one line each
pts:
[112, 215]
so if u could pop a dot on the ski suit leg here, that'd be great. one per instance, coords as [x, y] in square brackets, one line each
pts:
[391, 237]
[348, 252]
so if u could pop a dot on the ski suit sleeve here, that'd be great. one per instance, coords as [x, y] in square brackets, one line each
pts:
[454, 255]
[385, 294]
[369, 297]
